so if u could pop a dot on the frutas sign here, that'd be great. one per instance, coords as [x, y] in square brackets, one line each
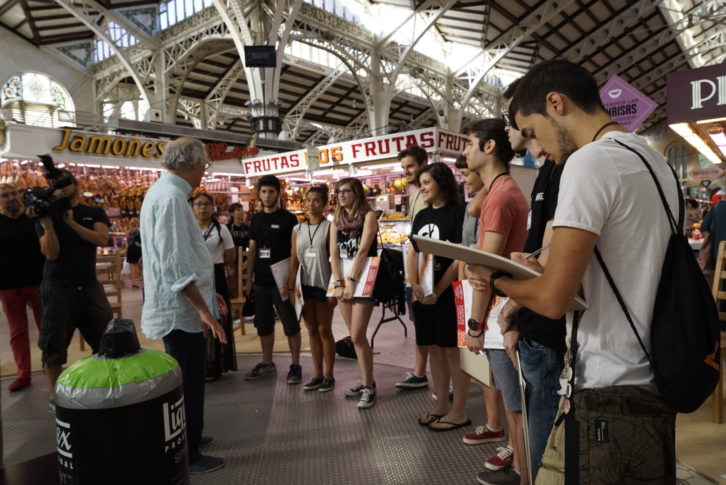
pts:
[697, 94]
[358, 151]
[117, 146]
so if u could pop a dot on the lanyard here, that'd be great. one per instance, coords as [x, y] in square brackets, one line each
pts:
[208, 232]
[317, 226]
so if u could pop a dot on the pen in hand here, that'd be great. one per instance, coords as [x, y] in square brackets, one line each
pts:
[536, 253]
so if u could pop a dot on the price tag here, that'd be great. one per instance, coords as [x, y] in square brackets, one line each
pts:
[265, 253]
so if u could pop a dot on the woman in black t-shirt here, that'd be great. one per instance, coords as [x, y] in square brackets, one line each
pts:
[434, 308]
[353, 241]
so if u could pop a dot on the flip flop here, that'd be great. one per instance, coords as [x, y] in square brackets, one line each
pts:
[429, 418]
[449, 425]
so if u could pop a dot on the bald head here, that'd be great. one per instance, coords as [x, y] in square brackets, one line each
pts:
[184, 154]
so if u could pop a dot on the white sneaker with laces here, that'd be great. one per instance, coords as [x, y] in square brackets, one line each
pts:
[367, 398]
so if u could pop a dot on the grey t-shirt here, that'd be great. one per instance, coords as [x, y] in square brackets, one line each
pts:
[470, 229]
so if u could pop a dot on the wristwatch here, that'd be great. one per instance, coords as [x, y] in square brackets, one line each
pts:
[492, 280]
[474, 325]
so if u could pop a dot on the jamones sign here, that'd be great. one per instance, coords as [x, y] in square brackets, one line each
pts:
[358, 151]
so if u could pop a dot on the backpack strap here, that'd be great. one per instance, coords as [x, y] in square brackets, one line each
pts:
[620, 299]
[675, 224]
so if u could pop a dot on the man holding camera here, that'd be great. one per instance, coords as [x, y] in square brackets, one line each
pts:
[21, 269]
[70, 294]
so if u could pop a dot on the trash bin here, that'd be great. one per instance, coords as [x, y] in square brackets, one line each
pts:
[120, 416]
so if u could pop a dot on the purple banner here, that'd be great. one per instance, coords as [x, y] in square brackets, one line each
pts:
[626, 105]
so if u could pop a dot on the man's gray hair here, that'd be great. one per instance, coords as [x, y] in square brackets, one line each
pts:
[184, 154]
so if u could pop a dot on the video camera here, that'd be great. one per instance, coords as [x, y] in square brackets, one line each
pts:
[41, 199]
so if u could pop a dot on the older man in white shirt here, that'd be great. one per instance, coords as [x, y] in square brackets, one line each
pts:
[179, 304]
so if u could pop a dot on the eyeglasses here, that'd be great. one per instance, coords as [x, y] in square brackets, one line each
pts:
[343, 191]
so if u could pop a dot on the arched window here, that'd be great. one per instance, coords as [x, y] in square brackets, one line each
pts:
[34, 98]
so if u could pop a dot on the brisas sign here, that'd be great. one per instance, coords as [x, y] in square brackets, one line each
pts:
[358, 151]
[697, 94]
[625, 104]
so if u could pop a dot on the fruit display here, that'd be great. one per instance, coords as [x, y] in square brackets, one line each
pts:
[395, 233]
[118, 190]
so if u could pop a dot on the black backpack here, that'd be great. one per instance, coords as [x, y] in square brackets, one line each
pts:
[685, 334]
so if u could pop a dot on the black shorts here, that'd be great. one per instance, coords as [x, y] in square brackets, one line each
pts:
[436, 324]
[67, 305]
[267, 300]
[313, 293]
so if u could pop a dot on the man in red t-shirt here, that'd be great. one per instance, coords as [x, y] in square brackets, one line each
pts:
[502, 230]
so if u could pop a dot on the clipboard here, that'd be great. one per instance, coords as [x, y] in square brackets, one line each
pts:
[475, 365]
[482, 258]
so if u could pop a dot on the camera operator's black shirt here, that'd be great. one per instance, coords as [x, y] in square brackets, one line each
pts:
[21, 262]
[77, 257]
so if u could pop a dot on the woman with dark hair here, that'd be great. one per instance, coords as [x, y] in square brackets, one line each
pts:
[311, 253]
[221, 247]
[353, 241]
[434, 308]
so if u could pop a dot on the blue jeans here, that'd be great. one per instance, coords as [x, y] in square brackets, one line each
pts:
[541, 368]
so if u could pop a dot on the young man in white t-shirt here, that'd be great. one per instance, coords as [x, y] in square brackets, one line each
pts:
[605, 193]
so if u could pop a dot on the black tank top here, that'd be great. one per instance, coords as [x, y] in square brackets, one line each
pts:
[348, 246]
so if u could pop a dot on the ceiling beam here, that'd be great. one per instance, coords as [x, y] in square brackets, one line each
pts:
[57, 39]
[520, 32]
[7, 6]
[31, 24]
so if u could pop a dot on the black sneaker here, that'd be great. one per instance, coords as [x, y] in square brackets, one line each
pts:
[499, 477]
[294, 376]
[313, 384]
[206, 464]
[326, 385]
[354, 392]
[261, 370]
[412, 381]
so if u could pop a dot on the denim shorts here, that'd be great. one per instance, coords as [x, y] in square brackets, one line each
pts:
[505, 379]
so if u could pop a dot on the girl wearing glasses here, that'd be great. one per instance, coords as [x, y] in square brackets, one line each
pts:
[311, 252]
[351, 243]
[221, 246]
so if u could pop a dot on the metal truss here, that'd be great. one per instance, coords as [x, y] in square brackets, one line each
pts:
[308, 24]
[214, 100]
[84, 11]
[233, 15]
[295, 115]
[478, 67]
[419, 121]
[706, 11]
[612, 29]
[649, 46]
[191, 109]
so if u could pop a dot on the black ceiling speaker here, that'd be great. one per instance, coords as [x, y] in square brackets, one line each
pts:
[260, 56]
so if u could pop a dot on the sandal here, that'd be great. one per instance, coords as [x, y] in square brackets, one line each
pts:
[448, 425]
[428, 419]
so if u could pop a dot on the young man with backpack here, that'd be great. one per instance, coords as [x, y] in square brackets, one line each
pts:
[606, 190]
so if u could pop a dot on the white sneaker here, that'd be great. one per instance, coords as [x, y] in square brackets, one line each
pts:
[367, 398]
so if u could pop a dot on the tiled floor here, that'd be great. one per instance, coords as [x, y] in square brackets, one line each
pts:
[268, 431]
